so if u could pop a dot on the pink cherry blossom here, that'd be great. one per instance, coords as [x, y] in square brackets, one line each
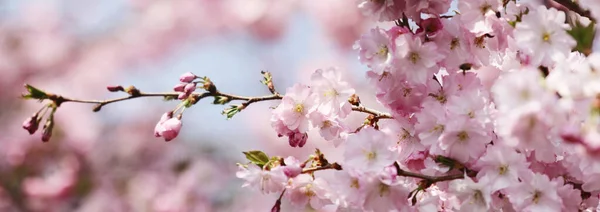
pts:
[267, 181]
[296, 106]
[375, 50]
[304, 189]
[331, 93]
[368, 151]
[542, 35]
[501, 166]
[416, 60]
[535, 193]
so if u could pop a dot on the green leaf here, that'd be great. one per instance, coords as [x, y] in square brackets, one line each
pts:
[221, 100]
[257, 157]
[34, 93]
[230, 112]
[584, 37]
[169, 98]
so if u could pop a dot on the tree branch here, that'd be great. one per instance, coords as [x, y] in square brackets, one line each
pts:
[572, 6]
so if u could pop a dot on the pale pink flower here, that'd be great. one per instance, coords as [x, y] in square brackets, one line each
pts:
[330, 128]
[267, 181]
[416, 60]
[542, 35]
[375, 50]
[296, 105]
[474, 14]
[431, 123]
[304, 189]
[382, 10]
[464, 139]
[331, 93]
[535, 193]
[407, 143]
[349, 189]
[501, 166]
[475, 196]
[382, 196]
[368, 151]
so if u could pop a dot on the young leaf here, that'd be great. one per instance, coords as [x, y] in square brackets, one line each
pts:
[257, 157]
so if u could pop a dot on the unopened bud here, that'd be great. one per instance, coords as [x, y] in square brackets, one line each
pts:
[179, 87]
[31, 124]
[115, 88]
[133, 91]
[182, 96]
[187, 77]
[48, 126]
[209, 85]
[354, 100]
[189, 88]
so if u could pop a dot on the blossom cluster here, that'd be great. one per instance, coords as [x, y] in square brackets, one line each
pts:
[492, 108]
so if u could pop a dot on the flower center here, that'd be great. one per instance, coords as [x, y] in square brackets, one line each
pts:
[502, 169]
[536, 196]
[326, 124]
[471, 114]
[546, 37]
[331, 92]
[383, 189]
[463, 136]
[414, 57]
[437, 128]
[383, 51]
[454, 43]
[484, 8]
[371, 155]
[299, 108]
[354, 183]
[479, 42]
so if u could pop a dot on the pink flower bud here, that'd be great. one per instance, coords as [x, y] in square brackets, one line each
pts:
[115, 88]
[189, 88]
[159, 128]
[292, 171]
[182, 96]
[187, 77]
[431, 26]
[170, 129]
[297, 139]
[179, 87]
[47, 131]
[31, 124]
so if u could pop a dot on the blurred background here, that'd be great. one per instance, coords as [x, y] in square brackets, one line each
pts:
[110, 160]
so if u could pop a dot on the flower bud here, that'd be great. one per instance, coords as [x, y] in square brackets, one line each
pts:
[187, 77]
[170, 129]
[115, 88]
[179, 87]
[292, 171]
[31, 124]
[182, 96]
[189, 88]
[297, 139]
[47, 130]
[159, 128]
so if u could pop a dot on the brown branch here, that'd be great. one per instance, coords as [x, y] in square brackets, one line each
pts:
[572, 6]
[378, 115]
